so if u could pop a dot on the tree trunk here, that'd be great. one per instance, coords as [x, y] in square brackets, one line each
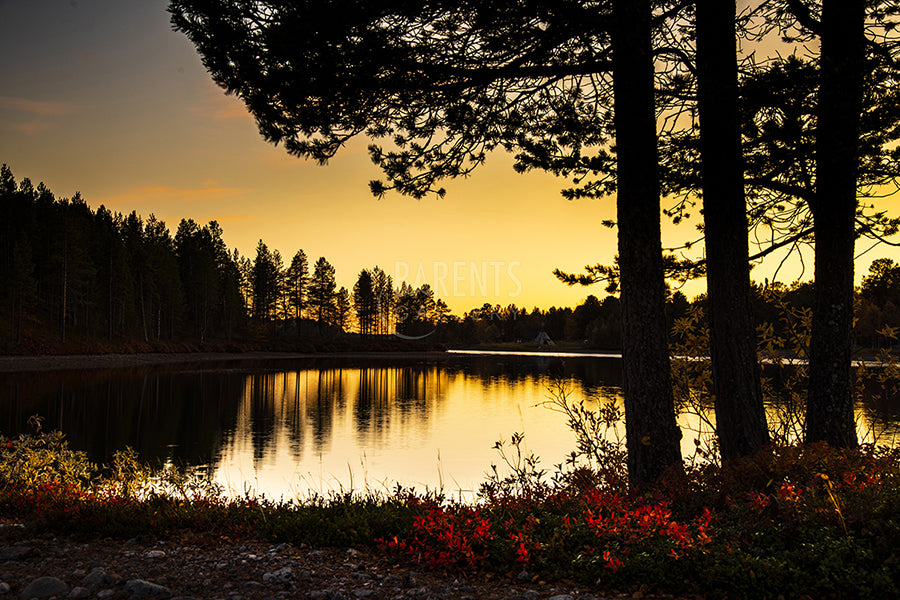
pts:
[740, 416]
[829, 415]
[65, 287]
[143, 311]
[652, 435]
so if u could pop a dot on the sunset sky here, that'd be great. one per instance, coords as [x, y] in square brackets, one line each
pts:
[102, 97]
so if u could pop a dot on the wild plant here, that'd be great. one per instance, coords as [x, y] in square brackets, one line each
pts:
[524, 477]
[599, 439]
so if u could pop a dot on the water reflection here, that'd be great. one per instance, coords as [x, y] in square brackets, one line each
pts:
[287, 428]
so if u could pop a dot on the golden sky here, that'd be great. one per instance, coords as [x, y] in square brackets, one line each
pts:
[102, 97]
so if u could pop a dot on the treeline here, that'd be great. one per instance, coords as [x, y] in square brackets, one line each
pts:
[78, 279]
[98, 275]
[91, 280]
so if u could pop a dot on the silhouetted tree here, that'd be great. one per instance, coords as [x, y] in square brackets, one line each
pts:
[829, 415]
[321, 292]
[296, 280]
[21, 286]
[740, 417]
[196, 250]
[342, 308]
[265, 283]
[385, 298]
[651, 433]
[166, 291]
[882, 284]
[365, 302]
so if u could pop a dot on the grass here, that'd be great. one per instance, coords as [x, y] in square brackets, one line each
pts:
[792, 522]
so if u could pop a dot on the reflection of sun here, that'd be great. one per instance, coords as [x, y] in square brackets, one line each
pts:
[318, 431]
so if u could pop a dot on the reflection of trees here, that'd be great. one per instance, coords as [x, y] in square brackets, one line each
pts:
[591, 374]
[164, 415]
[390, 397]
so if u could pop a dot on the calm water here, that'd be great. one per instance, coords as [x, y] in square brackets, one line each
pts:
[285, 428]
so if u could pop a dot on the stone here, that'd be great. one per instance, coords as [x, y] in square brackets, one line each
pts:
[16, 552]
[561, 597]
[282, 575]
[44, 587]
[156, 554]
[363, 593]
[4, 588]
[146, 589]
[79, 593]
[96, 577]
[105, 593]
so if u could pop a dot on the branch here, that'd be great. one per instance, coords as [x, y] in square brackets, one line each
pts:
[804, 16]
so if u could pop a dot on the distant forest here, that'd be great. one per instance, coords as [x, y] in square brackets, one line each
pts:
[83, 280]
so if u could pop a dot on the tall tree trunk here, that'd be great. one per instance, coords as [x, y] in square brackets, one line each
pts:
[109, 303]
[740, 416]
[143, 311]
[652, 435]
[829, 415]
[65, 288]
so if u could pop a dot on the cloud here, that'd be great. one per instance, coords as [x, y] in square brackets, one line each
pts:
[166, 194]
[31, 127]
[36, 107]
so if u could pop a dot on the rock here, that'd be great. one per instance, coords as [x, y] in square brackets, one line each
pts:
[282, 575]
[16, 552]
[251, 586]
[318, 594]
[96, 577]
[44, 587]
[146, 589]
[79, 593]
[363, 593]
[105, 593]
[561, 597]
[156, 554]
[4, 588]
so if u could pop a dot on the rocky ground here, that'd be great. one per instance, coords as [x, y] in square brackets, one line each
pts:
[51, 567]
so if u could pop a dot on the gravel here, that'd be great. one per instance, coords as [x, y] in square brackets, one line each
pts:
[57, 567]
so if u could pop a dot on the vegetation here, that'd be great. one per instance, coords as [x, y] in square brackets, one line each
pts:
[790, 522]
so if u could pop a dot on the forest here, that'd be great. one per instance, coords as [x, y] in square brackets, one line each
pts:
[81, 279]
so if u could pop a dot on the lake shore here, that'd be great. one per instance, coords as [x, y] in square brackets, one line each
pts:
[80, 362]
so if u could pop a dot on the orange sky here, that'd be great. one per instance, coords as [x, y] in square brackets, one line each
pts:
[101, 97]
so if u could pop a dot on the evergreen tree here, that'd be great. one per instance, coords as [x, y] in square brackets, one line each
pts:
[342, 308]
[321, 292]
[296, 282]
[365, 302]
[265, 283]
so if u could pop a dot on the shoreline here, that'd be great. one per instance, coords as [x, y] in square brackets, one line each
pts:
[81, 362]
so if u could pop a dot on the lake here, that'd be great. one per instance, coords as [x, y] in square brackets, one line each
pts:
[289, 427]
